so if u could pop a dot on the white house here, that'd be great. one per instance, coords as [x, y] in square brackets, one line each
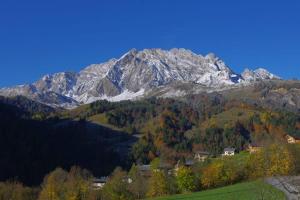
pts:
[98, 183]
[229, 152]
[292, 139]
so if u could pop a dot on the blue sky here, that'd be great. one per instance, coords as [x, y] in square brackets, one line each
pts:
[41, 37]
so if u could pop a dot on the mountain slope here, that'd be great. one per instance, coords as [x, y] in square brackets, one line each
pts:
[136, 74]
[31, 148]
[258, 74]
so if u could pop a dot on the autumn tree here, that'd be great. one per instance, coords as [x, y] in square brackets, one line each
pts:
[155, 164]
[78, 184]
[223, 171]
[295, 152]
[117, 186]
[212, 175]
[158, 184]
[273, 160]
[233, 170]
[61, 185]
[53, 187]
[280, 160]
[185, 179]
[12, 190]
[138, 185]
[256, 166]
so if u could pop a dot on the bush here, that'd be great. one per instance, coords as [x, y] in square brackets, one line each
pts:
[185, 179]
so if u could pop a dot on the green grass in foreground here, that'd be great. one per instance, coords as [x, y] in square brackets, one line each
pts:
[243, 191]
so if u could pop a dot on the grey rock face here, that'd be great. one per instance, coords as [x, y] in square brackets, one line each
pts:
[135, 74]
[258, 74]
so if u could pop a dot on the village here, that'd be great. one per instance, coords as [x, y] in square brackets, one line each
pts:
[199, 156]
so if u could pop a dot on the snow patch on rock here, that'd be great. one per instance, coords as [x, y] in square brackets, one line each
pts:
[149, 69]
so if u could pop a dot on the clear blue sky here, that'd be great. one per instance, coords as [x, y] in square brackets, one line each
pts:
[40, 37]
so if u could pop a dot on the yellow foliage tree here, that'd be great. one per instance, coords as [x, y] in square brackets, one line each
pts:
[185, 179]
[256, 166]
[78, 184]
[212, 175]
[234, 170]
[60, 185]
[158, 185]
[272, 161]
[53, 187]
[280, 160]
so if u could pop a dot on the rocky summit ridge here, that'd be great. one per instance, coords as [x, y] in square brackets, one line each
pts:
[137, 74]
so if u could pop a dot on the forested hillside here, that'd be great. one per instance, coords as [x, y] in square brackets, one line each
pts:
[36, 139]
[31, 148]
[173, 129]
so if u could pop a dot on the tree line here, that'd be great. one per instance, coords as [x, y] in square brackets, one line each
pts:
[76, 184]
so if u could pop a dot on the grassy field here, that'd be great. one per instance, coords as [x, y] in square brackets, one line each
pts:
[229, 117]
[243, 191]
[102, 120]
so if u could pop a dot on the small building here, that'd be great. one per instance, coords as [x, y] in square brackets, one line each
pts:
[292, 139]
[254, 148]
[145, 170]
[229, 151]
[201, 156]
[186, 163]
[99, 183]
[189, 162]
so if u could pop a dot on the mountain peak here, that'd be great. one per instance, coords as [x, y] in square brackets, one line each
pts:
[211, 56]
[130, 53]
[258, 74]
[136, 74]
[133, 51]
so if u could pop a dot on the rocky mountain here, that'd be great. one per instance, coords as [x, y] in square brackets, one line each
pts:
[258, 74]
[136, 74]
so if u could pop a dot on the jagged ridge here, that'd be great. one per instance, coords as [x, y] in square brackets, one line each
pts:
[135, 74]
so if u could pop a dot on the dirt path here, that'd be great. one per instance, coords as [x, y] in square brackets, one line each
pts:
[289, 185]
